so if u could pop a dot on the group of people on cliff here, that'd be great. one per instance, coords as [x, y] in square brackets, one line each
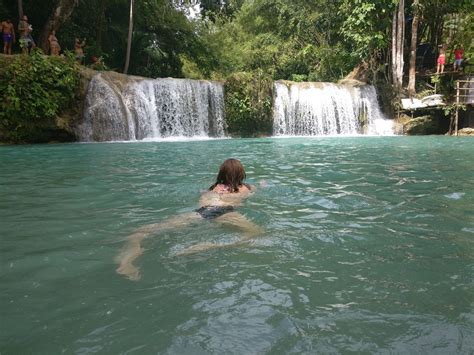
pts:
[27, 42]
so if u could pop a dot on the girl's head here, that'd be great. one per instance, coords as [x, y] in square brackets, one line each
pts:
[231, 173]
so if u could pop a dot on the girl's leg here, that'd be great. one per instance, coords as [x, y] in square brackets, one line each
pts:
[133, 249]
[237, 220]
[232, 219]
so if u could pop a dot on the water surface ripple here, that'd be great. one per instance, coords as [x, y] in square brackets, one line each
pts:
[368, 248]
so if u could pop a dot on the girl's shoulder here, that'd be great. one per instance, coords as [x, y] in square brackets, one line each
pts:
[245, 188]
[225, 189]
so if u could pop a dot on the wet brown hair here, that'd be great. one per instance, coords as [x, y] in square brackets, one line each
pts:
[231, 173]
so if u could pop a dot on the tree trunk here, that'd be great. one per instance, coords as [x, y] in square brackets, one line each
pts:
[62, 11]
[20, 9]
[398, 37]
[394, 47]
[129, 40]
[100, 24]
[413, 45]
[400, 41]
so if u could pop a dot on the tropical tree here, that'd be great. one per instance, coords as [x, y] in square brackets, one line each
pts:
[366, 33]
[59, 15]
[398, 38]
[413, 47]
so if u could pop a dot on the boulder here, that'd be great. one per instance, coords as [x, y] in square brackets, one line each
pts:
[466, 132]
[421, 125]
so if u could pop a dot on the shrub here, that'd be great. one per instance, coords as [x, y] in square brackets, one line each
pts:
[35, 89]
[248, 104]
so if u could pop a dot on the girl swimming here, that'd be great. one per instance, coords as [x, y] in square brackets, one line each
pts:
[218, 204]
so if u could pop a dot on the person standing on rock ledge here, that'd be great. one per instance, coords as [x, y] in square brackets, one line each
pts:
[54, 47]
[458, 54]
[8, 36]
[79, 49]
[441, 61]
[25, 29]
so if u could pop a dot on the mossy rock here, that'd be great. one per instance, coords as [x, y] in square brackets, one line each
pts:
[422, 125]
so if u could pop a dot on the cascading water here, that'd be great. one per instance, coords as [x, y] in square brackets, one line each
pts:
[119, 107]
[314, 109]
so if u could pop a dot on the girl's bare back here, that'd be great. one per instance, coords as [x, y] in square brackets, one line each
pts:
[218, 197]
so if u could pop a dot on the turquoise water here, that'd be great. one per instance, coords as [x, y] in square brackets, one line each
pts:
[368, 248]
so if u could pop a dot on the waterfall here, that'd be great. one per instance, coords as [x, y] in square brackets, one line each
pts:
[119, 107]
[315, 109]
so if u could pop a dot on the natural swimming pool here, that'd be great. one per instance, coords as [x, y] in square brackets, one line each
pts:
[368, 247]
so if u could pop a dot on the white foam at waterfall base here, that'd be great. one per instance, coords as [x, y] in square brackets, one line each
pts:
[183, 139]
[152, 110]
[160, 140]
[325, 109]
[381, 127]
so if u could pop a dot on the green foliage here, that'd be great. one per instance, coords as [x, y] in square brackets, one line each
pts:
[296, 40]
[450, 109]
[292, 40]
[35, 89]
[248, 104]
[435, 79]
[423, 93]
[366, 24]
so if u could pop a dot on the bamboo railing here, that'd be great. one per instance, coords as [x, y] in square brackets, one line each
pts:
[464, 96]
